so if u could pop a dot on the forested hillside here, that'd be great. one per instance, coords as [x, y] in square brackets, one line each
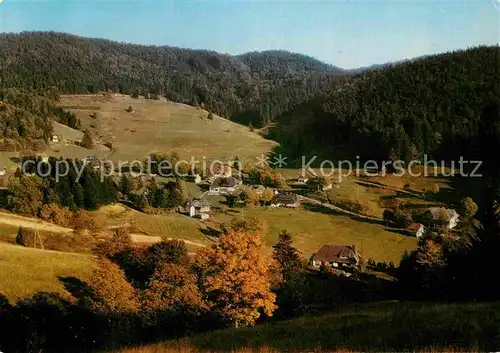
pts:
[255, 87]
[25, 118]
[436, 105]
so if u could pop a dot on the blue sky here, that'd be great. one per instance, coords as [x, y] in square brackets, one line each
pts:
[348, 34]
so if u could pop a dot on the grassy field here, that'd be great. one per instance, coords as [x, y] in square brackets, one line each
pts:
[313, 228]
[161, 126]
[383, 326]
[24, 271]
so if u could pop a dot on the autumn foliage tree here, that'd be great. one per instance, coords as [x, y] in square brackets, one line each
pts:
[110, 290]
[233, 275]
[469, 208]
[173, 288]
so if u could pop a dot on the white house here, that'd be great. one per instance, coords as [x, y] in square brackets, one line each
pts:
[198, 207]
[195, 178]
[223, 186]
[452, 217]
[417, 228]
[3, 171]
[302, 180]
[54, 138]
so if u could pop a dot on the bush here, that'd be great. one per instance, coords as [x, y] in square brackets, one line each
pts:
[353, 205]
[54, 213]
[87, 141]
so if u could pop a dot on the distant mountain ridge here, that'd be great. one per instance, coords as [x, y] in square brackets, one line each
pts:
[258, 86]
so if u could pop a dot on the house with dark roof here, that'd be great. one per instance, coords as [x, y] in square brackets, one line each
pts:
[285, 199]
[198, 207]
[223, 186]
[337, 256]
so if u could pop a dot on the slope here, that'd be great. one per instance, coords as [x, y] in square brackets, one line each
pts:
[374, 327]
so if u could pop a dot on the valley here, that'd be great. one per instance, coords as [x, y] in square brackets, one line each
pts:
[248, 250]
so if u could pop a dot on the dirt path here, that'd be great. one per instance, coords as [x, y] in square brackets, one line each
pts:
[26, 222]
[32, 223]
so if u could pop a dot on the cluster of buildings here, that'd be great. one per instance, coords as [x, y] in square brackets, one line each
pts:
[450, 220]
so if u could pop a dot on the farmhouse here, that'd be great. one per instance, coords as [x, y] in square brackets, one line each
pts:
[223, 186]
[336, 256]
[259, 189]
[194, 178]
[322, 184]
[198, 207]
[447, 215]
[221, 170]
[417, 228]
[302, 180]
[285, 199]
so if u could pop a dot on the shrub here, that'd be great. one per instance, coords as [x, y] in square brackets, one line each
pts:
[87, 141]
[353, 205]
[56, 214]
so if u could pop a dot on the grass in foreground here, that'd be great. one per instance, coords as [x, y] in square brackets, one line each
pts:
[25, 271]
[389, 326]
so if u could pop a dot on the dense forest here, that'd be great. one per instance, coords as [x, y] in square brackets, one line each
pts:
[255, 87]
[434, 105]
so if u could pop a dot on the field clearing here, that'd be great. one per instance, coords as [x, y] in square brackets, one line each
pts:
[25, 271]
[163, 127]
[312, 229]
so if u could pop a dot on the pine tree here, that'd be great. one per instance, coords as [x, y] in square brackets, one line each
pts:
[87, 141]
[287, 256]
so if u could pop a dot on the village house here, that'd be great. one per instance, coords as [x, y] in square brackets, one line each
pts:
[194, 178]
[319, 184]
[336, 256]
[54, 138]
[223, 170]
[223, 186]
[302, 180]
[259, 189]
[453, 217]
[417, 228]
[285, 199]
[198, 207]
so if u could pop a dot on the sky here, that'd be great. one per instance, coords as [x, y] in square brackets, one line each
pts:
[347, 34]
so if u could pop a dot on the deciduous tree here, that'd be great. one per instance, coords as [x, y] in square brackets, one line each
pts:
[234, 277]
